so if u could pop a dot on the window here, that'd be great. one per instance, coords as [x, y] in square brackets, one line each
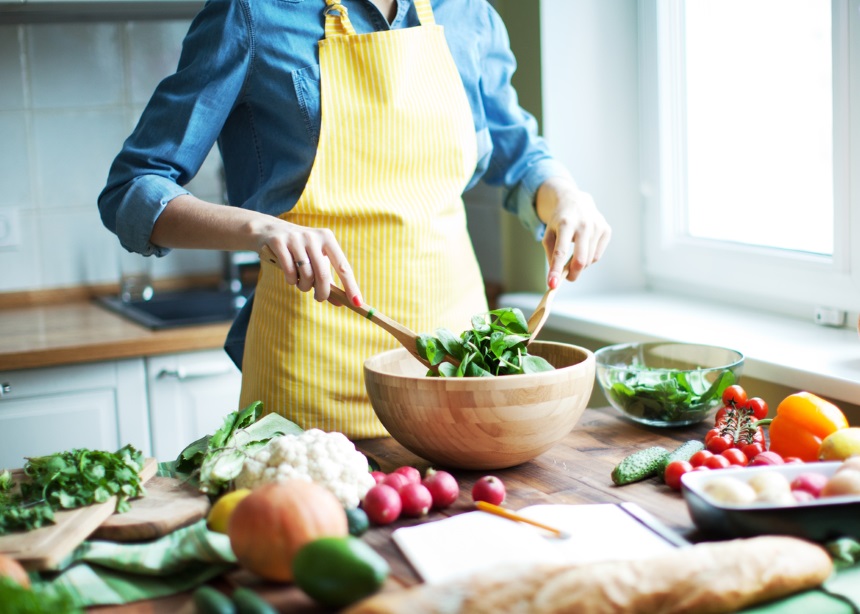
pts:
[747, 143]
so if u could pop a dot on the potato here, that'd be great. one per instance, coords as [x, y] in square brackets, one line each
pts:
[729, 490]
[772, 487]
[844, 482]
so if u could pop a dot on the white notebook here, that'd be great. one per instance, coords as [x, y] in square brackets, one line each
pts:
[463, 544]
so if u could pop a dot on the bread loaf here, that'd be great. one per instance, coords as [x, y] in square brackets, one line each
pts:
[705, 578]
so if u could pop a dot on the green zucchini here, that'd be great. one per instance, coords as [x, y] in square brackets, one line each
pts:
[639, 465]
[249, 602]
[683, 452]
[208, 600]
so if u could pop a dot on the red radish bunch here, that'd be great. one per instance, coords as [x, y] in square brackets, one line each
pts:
[403, 493]
[490, 489]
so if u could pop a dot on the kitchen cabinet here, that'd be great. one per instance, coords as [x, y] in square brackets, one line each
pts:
[189, 395]
[97, 405]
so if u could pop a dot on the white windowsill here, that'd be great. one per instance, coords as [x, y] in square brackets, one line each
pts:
[780, 349]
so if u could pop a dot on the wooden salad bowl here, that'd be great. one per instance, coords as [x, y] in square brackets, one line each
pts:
[480, 422]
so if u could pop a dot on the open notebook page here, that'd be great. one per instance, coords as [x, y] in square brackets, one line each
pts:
[466, 543]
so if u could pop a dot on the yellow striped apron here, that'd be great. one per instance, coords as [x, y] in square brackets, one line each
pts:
[396, 150]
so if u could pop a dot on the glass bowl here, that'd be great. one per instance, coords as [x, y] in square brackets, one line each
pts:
[666, 383]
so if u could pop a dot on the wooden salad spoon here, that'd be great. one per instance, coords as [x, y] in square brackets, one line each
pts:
[541, 312]
[407, 338]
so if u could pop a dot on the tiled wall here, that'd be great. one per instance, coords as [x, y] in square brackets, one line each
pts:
[70, 93]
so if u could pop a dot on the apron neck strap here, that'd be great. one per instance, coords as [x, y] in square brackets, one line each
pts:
[337, 21]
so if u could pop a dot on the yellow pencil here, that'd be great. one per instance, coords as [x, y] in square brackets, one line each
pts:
[500, 511]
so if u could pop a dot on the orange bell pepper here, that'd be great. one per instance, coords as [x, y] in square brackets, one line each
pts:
[802, 421]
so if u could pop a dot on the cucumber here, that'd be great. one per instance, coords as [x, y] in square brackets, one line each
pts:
[249, 602]
[639, 465]
[208, 600]
[683, 452]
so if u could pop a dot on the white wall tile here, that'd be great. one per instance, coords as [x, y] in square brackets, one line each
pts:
[78, 248]
[75, 64]
[74, 151]
[20, 266]
[154, 49]
[11, 69]
[15, 188]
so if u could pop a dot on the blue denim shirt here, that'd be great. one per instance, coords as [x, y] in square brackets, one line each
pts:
[248, 78]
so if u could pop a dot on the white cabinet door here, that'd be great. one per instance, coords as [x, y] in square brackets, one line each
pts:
[98, 406]
[189, 396]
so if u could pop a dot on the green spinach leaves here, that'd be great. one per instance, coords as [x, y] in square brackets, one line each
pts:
[495, 345]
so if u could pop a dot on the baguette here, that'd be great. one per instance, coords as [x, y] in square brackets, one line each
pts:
[705, 578]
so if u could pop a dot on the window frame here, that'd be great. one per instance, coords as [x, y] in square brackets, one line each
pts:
[767, 278]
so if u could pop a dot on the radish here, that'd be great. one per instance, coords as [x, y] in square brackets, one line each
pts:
[443, 487]
[410, 473]
[378, 476]
[396, 481]
[810, 482]
[416, 500]
[382, 504]
[490, 489]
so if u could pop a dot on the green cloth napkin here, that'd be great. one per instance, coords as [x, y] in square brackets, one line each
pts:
[109, 573]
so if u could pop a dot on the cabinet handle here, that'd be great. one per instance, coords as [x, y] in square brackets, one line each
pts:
[189, 373]
[5, 388]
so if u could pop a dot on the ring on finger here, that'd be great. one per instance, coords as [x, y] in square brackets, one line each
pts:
[301, 262]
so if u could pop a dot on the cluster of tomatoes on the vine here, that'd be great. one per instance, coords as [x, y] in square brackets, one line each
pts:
[737, 439]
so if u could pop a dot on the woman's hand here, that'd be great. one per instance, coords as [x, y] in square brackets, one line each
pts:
[570, 216]
[307, 255]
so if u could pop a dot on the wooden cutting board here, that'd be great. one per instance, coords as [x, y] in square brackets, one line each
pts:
[44, 548]
[169, 504]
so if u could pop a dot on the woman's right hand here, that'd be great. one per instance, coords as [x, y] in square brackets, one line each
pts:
[307, 257]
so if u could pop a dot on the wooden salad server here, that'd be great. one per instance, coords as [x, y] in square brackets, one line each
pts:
[541, 312]
[407, 338]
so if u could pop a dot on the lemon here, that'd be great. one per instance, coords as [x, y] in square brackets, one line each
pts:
[219, 515]
[840, 444]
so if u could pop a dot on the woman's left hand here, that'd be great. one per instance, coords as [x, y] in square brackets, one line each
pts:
[570, 216]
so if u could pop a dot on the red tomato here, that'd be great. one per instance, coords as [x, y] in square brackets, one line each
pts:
[734, 395]
[674, 471]
[718, 444]
[714, 432]
[700, 457]
[717, 462]
[721, 413]
[758, 407]
[751, 450]
[735, 456]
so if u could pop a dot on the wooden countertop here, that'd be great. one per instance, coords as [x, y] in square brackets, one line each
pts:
[577, 470]
[79, 331]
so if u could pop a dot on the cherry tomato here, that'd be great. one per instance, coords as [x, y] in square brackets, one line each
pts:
[700, 457]
[717, 462]
[721, 413]
[735, 456]
[734, 395]
[751, 450]
[715, 432]
[758, 406]
[674, 471]
[718, 444]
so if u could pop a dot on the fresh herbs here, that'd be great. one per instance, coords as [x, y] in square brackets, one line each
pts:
[667, 395]
[495, 345]
[215, 460]
[69, 480]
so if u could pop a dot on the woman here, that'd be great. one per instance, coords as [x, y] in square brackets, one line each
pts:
[349, 130]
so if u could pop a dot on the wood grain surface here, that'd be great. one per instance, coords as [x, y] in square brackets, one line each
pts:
[576, 470]
[169, 504]
[42, 549]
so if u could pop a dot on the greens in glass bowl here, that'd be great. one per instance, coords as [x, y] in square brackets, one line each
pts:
[666, 383]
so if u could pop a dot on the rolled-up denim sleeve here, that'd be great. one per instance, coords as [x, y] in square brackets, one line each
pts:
[521, 160]
[179, 125]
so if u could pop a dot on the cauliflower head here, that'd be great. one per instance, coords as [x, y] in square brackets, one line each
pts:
[329, 459]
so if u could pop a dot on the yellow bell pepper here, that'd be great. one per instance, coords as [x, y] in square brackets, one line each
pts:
[802, 421]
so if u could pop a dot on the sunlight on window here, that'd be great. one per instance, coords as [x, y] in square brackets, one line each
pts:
[759, 107]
